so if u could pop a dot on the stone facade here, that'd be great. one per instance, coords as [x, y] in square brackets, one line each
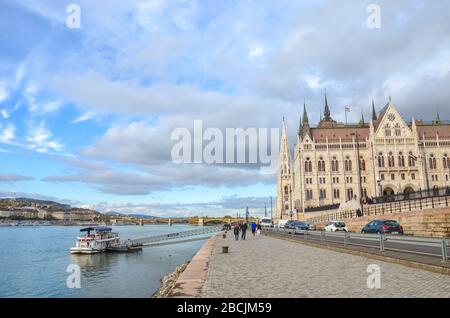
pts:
[395, 156]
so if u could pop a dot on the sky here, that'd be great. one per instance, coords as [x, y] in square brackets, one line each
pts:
[87, 114]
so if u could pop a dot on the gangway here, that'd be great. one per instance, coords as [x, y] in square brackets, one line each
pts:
[137, 244]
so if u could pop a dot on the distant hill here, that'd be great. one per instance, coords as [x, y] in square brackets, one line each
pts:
[114, 213]
[137, 216]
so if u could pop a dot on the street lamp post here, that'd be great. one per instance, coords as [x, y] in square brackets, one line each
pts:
[359, 171]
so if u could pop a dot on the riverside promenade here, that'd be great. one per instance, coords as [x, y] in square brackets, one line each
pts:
[264, 266]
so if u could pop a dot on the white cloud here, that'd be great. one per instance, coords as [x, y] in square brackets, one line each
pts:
[39, 139]
[7, 134]
[4, 113]
[83, 117]
[256, 50]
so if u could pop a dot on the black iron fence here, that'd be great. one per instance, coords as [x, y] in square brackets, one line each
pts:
[407, 205]
[435, 192]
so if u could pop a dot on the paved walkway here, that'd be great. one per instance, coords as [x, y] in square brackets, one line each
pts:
[268, 267]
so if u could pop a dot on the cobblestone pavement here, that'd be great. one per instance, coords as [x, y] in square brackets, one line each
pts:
[268, 267]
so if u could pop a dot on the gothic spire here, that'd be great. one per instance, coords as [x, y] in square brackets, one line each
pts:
[438, 118]
[300, 126]
[326, 112]
[305, 115]
[374, 114]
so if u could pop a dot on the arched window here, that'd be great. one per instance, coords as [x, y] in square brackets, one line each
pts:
[322, 194]
[387, 130]
[398, 131]
[446, 162]
[348, 164]
[411, 161]
[286, 190]
[308, 165]
[309, 194]
[432, 162]
[362, 163]
[349, 193]
[334, 164]
[321, 165]
[401, 159]
[391, 162]
[380, 160]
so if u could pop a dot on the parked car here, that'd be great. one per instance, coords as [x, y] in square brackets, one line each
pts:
[296, 225]
[282, 223]
[336, 226]
[311, 227]
[383, 227]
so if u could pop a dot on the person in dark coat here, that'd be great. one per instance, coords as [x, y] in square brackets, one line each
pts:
[236, 231]
[244, 230]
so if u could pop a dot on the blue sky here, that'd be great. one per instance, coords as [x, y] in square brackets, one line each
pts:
[86, 114]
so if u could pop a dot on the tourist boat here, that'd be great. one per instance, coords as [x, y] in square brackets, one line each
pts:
[97, 242]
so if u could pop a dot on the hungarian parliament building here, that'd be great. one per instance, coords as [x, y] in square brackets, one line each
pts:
[335, 162]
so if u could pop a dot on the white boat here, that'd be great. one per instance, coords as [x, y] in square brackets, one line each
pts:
[97, 242]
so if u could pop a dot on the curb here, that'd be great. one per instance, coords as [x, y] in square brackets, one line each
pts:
[190, 282]
[426, 267]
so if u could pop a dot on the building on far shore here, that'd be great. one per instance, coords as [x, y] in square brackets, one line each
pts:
[335, 162]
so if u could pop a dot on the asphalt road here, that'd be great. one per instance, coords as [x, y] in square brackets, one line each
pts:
[373, 241]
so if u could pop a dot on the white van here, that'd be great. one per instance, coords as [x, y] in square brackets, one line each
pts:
[266, 222]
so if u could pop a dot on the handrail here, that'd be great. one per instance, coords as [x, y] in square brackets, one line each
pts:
[404, 244]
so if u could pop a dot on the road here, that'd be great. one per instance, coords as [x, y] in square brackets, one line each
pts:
[373, 241]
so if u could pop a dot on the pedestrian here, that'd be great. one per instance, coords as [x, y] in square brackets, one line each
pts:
[244, 230]
[236, 231]
[253, 228]
[258, 229]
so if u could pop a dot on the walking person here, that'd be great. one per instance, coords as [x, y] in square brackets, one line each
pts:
[253, 228]
[244, 230]
[236, 231]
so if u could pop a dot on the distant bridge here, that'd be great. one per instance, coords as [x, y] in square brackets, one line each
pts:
[162, 239]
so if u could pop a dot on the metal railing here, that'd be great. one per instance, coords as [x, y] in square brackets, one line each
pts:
[164, 237]
[416, 204]
[435, 247]
[435, 192]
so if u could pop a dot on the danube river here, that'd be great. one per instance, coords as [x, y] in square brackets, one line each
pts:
[34, 261]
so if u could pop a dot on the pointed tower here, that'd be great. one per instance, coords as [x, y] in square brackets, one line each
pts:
[374, 113]
[437, 121]
[305, 124]
[299, 132]
[285, 178]
[326, 111]
[326, 121]
[361, 121]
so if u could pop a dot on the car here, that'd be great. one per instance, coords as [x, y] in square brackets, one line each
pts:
[296, 225]
[336, 226]
[282, 223]
[311, 227]
[383, 227]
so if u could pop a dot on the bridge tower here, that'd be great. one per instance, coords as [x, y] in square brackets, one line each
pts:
[200, 222]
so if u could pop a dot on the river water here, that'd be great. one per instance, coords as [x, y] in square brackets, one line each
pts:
[34, 262]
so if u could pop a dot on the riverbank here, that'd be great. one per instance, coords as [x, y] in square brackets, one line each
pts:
[187, 280]
[168, 282]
